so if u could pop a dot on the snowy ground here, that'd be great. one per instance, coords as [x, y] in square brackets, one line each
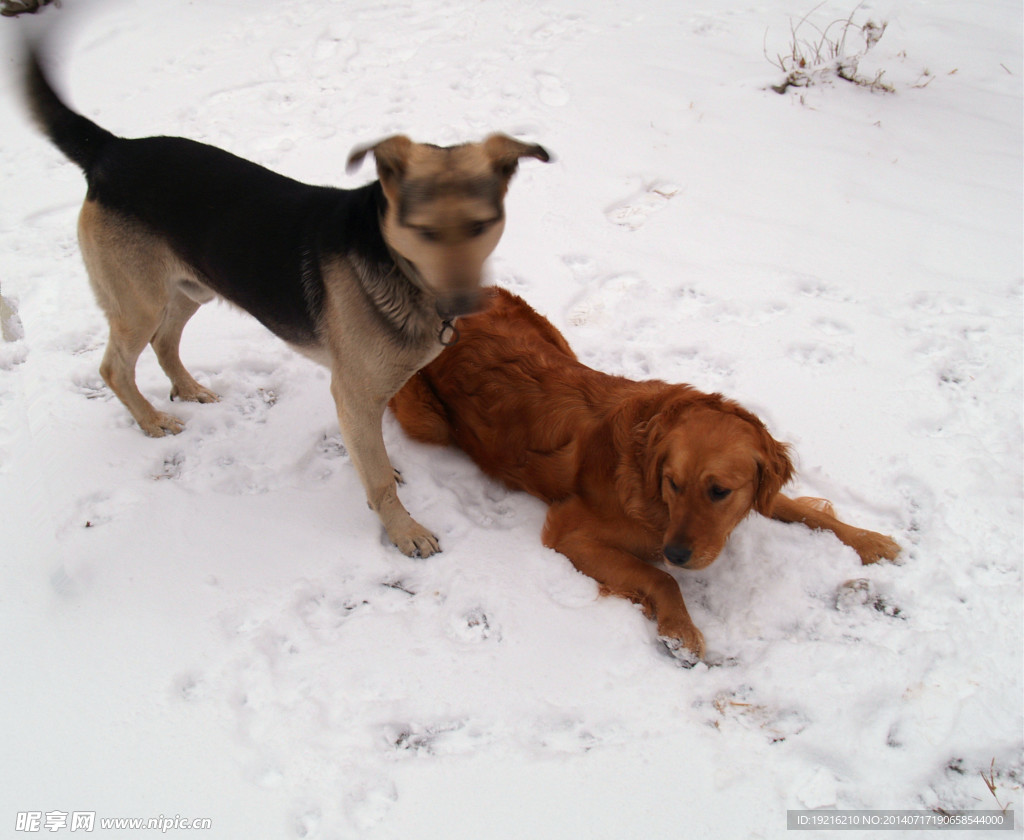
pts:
[209, 625]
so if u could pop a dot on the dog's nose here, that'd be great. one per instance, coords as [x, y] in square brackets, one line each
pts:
[459, 303]
[677, 555]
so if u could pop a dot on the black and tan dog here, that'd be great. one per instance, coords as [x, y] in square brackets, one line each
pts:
[364, 281]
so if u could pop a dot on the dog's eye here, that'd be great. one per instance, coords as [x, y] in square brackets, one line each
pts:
[671, 484]
[475, 229]
[717, 493]
[429, 234]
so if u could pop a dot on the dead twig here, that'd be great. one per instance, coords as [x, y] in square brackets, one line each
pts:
[990, 783]
[823, 54]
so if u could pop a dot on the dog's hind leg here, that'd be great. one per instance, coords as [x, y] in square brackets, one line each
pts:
[420, 413]
[128, 270]
[118, 371]
[166, 344]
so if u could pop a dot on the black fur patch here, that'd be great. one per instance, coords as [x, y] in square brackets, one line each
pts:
[254, 236]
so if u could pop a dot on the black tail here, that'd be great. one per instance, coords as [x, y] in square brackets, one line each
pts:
[76, 136]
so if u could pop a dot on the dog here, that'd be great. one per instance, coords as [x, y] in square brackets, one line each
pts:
[635, 473]
[367, 281]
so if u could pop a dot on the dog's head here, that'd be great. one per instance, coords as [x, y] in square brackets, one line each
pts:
[445, 209]
[710, 462]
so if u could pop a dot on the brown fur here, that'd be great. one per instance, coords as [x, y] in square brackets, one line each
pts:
[636, 473]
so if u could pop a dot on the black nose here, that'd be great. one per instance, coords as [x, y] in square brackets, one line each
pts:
[460, 303]
[677, 555]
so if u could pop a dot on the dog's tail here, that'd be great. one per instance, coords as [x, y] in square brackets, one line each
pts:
[76, 136]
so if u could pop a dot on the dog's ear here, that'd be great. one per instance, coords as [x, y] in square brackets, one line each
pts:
[647, 440]
[391, 154]
[774, 470]
[504, 153]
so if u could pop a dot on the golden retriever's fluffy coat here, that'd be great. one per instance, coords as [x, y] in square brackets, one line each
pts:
[635, 472]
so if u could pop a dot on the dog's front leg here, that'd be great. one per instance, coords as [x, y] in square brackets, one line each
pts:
[573, 530]
[870, 545]
[360, 418]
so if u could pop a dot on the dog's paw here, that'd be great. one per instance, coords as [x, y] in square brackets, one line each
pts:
[161, 423]
[873, 547]
[684, 656]
[684, 641]
[416, 541]
[194, 393]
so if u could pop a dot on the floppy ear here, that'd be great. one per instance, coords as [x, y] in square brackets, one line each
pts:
[648, 439]
[391, 154]
[504, 153]
[774, 470]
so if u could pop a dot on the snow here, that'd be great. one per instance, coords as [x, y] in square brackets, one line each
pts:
[210, 625]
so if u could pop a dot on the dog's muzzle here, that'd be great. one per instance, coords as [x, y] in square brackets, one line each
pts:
[460, 303]
[678, 555]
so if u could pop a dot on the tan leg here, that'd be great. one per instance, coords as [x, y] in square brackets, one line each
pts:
[871, 546]
[128, 270]
[360, 419]
[166, 342]
[118, 371]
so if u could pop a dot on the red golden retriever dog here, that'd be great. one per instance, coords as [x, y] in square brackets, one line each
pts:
[636, 473]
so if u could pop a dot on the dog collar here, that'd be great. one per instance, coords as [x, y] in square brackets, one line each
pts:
[449, 333]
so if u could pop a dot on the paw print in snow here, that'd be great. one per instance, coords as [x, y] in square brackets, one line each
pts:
[551, 90]
[634, 212]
